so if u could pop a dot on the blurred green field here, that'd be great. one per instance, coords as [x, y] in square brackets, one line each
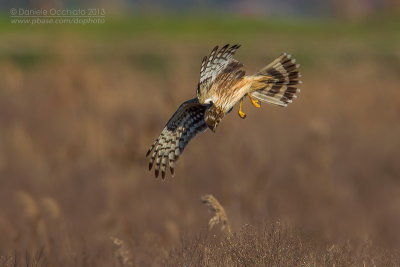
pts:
[308, 38]
[81, 104]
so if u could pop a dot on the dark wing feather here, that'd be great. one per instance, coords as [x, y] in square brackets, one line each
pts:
[186, 122]
[216, 63]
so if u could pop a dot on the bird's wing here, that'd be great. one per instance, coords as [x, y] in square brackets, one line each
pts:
[216, 64]
[186, 122]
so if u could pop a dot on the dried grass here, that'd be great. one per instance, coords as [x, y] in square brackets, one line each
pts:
[123, 252]
[218, 212]
[275, 244]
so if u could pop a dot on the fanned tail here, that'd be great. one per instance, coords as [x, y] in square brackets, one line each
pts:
[277, 82]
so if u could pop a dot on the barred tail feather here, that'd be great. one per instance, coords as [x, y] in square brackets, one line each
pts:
[277, 82]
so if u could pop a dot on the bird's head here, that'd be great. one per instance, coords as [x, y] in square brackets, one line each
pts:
[213, 117]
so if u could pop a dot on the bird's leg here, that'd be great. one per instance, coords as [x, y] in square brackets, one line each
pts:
[241, 113]
[254, 102]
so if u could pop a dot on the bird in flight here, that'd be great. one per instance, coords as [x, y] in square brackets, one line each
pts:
[222, 84]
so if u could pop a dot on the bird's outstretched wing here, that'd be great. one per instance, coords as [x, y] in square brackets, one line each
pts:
[217, 63]
[186, 122]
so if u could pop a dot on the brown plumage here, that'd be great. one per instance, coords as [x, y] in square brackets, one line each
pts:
[222, 84]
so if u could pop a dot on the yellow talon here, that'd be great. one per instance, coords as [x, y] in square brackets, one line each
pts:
[241, 113]
[254, 102]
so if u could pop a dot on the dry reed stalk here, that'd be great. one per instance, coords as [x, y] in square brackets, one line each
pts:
[123, 252]
[29, 205]
[33, 214]
[50, 207]
[219, 213]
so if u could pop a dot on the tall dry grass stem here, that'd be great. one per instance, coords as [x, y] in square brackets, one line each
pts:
[219, 214]
[123, 252]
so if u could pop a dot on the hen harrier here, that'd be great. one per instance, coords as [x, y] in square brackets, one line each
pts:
[222, 84]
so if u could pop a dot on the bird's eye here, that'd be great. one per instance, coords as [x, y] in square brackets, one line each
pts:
[198, 89]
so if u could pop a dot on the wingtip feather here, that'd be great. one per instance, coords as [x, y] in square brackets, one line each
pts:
[148, 153]
[225, 46]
